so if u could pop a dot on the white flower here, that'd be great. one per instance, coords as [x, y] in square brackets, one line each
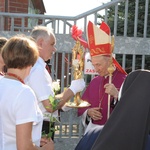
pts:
[56, 85]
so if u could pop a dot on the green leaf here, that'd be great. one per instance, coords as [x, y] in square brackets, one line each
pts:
[54, 102]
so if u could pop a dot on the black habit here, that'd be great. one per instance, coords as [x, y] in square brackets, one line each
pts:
[129, 124]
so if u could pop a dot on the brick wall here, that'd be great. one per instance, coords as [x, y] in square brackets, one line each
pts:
[2, 9]
[2, 5]
[18, 6]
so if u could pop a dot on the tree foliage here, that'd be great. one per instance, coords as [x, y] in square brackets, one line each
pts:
[131, 18]
[141, 19]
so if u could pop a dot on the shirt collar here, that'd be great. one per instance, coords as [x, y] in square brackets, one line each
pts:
[41, 61]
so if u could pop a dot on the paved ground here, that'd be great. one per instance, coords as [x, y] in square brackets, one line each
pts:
[66, 144]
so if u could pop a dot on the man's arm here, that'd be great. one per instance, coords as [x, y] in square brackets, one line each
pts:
[63, 97]
[75, 87]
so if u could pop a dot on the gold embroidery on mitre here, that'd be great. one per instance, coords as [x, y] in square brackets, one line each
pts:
[97, 51]
[91, 39]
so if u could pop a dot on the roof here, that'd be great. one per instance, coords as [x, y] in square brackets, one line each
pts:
[38, 4]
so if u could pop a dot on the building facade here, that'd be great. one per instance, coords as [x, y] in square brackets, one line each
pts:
[21, 6]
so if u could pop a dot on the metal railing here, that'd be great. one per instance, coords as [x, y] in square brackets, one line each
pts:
[137, 48]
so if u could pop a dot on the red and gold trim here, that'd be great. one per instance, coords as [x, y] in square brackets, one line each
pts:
[99, 39]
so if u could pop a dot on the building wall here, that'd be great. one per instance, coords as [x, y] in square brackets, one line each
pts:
[20, 6]
[2, 5]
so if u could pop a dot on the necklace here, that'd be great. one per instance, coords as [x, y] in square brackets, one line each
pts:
[100, 92]
[15, 76]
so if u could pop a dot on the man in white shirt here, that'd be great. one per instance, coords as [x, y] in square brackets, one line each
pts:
[40, 80]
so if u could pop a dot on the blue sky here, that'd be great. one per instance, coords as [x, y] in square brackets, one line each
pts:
[70, 7]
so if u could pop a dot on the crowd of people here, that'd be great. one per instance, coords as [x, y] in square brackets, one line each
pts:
[26, 85]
